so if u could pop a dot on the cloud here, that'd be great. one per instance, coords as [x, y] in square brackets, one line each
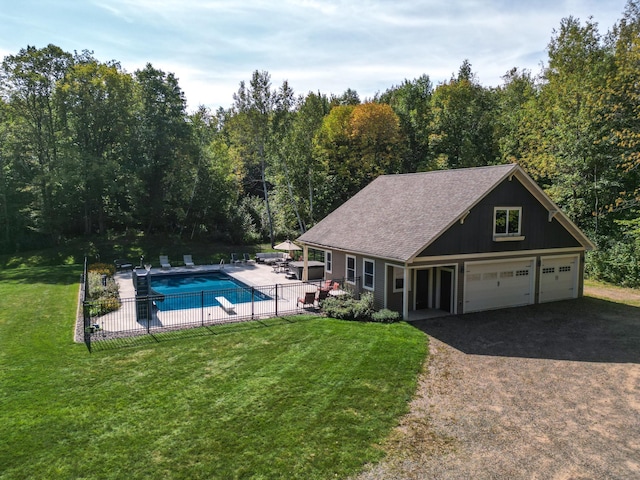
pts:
[318, 45]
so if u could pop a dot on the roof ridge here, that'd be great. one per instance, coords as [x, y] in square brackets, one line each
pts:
[449, 170]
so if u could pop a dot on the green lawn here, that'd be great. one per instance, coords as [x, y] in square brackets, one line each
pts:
[303, 398]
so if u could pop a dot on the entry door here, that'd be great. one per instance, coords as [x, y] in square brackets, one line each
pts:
[446, 290]
[422, 289]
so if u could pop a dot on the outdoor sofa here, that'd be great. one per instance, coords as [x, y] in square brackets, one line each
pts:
[271, 257]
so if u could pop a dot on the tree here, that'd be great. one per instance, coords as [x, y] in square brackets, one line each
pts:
[28, 82]
[462, 132]
[306, 173]
[411, 101]
[516, 104]
[356, 144]
[251, 128]
[574, 123]
[96, 101]
[623, 104]
[162, 163]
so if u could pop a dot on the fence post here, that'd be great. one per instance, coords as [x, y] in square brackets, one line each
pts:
[149, 313]
[202, 307]
[253, 291]
[276, 299]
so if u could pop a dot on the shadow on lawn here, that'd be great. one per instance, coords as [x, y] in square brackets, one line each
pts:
[99, 344]
[585, 330]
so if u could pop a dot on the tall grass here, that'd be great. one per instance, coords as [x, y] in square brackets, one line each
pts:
[305, 398]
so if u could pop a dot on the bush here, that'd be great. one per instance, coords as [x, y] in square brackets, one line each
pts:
[103, 296]
[364, 308]
[339, 307]
[617, 263]
[385, 316]
[102, 269]
[345, 307]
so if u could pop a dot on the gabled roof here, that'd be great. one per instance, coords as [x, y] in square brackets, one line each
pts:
[398, 216]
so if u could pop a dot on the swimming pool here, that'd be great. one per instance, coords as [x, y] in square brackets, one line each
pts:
[195, 290]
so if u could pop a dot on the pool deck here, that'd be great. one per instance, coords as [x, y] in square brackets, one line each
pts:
[251, 274]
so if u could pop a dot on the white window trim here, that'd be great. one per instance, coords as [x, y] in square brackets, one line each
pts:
[508, 237]
[364, 274]
[328, 261]
[346, 269]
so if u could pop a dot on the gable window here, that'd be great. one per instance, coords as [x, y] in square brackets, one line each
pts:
[507, 223]
[328, 261]
[351, 269]
[368, 274]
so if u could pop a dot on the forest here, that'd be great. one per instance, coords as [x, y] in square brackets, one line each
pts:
[87, 148]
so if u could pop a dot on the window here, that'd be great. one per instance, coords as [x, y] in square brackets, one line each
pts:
[507, 221]
[368, 274]
[351, 269]
[328, 261]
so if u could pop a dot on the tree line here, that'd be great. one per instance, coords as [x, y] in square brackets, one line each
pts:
[87, 148]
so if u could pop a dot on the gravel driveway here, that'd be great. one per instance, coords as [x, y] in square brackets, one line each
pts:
[542, 392]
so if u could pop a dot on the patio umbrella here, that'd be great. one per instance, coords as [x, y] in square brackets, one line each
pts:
[287, 246]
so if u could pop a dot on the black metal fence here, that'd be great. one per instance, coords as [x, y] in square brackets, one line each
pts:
[144, 315]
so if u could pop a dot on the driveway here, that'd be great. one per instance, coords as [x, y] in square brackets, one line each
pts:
[549, 391]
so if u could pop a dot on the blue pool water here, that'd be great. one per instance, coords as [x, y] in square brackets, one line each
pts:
[182, 291]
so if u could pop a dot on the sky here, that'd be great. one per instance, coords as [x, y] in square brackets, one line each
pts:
[321, 46]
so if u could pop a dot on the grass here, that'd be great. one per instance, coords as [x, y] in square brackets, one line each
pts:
[305, 398]
[607, 291]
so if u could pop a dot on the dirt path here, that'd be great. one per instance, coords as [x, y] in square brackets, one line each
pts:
[548, 391]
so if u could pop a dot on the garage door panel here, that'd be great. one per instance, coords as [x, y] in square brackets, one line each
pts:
[558, 278]
[498, 284]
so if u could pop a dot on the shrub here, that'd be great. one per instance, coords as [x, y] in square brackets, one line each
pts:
[364, 308]
[103, 296]
[385, 316]
[339, 307]
[102, 269]
[345, 307]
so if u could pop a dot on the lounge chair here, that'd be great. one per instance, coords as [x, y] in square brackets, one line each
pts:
[234, 258]
[188, 261]
[247, 258]
[122, 264]
[309, 299]
[164, 261]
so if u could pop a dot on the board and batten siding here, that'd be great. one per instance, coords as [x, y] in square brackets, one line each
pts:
[475, 234]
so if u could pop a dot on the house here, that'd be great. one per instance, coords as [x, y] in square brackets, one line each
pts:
[462, 241]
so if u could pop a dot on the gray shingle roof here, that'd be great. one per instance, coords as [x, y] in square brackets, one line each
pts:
[396, 216]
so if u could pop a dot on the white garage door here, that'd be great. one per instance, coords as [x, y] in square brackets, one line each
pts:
[498, 284]
[558, 278]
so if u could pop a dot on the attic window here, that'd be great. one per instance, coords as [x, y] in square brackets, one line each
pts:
[507, 224]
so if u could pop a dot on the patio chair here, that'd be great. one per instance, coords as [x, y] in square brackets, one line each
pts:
[322, 294]
[247, 258]
[164, 261]
[188, 261]
[234, 258]
[309, 299]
